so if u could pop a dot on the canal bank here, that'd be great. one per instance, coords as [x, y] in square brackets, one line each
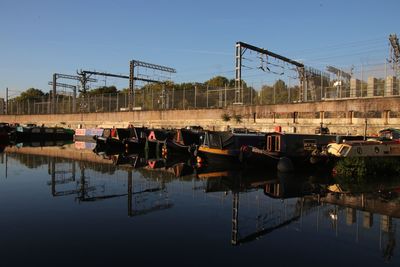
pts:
[350, 116]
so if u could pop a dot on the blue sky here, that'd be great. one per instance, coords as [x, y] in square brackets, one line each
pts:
[38, 38]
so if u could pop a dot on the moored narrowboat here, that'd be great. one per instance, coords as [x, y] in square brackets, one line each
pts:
[291, 150]
[369, 148]
[227, 147]
[137, 138]
[184, 141]
[33, 133]
[5, 130]
[112, 139]
[156, 139]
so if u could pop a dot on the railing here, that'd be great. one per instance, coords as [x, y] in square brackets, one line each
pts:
[193, 98]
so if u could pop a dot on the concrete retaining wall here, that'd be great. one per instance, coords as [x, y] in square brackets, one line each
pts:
[341, 116]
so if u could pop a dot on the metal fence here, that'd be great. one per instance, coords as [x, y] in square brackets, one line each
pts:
[194, 97]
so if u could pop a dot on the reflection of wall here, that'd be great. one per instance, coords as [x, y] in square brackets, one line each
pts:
[36, 157]
[66, 152]
[368, 203]
[350, 216]
[368, 219]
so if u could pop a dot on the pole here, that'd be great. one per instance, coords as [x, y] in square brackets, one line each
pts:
[183, 101]
[173, 96]
[207, 96]
[225, 95]
[6, 100]
[365, 127]
[109, 103]
[362, 81]
[195, 96]
[117, 109]
[251, 95]
[322, 82]
[102, 102]
[385, 84]
[144, 97]
[74, 101]
[54, 92]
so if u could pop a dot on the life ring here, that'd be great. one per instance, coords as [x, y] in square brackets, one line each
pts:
[376, 150]
[359, 150]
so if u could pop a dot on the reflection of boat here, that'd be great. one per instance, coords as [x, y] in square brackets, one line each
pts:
[137, 138]
[165, 163]
[44, 143]
[269, 219]
[288, 185]
[130, 160]
[112, 138]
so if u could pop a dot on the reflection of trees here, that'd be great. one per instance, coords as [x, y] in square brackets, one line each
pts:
[30, 161]
[36, 161]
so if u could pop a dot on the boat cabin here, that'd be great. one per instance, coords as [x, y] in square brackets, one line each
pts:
[229, 140]
[289, 144]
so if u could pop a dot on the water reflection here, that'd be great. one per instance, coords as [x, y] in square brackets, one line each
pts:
[260, 203]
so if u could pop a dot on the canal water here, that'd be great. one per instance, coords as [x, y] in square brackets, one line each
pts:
[65, 205]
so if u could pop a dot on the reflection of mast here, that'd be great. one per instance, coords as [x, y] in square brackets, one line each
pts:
[283, 189]
[388, 229]
[6, 164]
[235, 218]
[54, 181]
[129, 193]
[134, 211]
[253, 236]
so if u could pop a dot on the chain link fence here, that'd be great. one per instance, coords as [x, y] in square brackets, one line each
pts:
[149, 98]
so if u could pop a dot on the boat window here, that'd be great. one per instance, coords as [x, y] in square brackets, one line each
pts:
[215, 141]
[269, 143]
[277, 143]
[272, 143]
[344, 150]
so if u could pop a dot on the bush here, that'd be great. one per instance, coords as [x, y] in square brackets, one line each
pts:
[226, 117]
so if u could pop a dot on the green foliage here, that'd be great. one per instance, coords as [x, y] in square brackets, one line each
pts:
[217, 81]
[103, 90]
[226, 117]
[276, 94]
[363, 169]
[30, 94]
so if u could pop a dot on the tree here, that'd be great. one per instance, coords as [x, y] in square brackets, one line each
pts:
[104, 90]
[275, 94]
[217, 81]
[30, 94]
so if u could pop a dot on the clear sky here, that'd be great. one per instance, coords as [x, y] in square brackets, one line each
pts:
[38, 38]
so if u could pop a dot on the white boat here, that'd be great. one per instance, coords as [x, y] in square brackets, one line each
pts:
[369, 148]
